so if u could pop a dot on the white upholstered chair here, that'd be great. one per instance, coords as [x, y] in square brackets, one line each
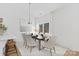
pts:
[30, 42]
[50, 44]
[24, 39]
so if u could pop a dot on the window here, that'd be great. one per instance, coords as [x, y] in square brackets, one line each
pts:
[41, 28]
[46, 28]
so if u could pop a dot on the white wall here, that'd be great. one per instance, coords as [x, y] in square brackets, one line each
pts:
[11, 13]
[65, 25]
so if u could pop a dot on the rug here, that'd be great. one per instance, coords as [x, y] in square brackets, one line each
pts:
[71, 53]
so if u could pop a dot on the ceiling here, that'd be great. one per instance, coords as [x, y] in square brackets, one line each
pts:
[22, 9]
[39, 9]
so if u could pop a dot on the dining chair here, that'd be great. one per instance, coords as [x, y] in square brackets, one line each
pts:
[24, 39]
[49, 43]
[30, 42]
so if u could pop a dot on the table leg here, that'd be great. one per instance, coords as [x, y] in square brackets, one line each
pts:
[35, 39]
[39, 44]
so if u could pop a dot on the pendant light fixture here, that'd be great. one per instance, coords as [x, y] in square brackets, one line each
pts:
[29, 14]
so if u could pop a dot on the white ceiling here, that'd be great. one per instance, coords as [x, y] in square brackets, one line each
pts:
[39, 9]
[21, 9]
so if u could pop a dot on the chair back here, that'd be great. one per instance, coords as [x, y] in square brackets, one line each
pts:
[30, 40]
[51, 42]
[24, 36]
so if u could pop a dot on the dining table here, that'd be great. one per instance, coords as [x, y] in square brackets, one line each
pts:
[40, 38]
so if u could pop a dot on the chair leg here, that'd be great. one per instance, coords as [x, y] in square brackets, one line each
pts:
[30, 49]
[43, 47]
[51, 52]
[25, 44]
[27, 47]
[54, 49]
